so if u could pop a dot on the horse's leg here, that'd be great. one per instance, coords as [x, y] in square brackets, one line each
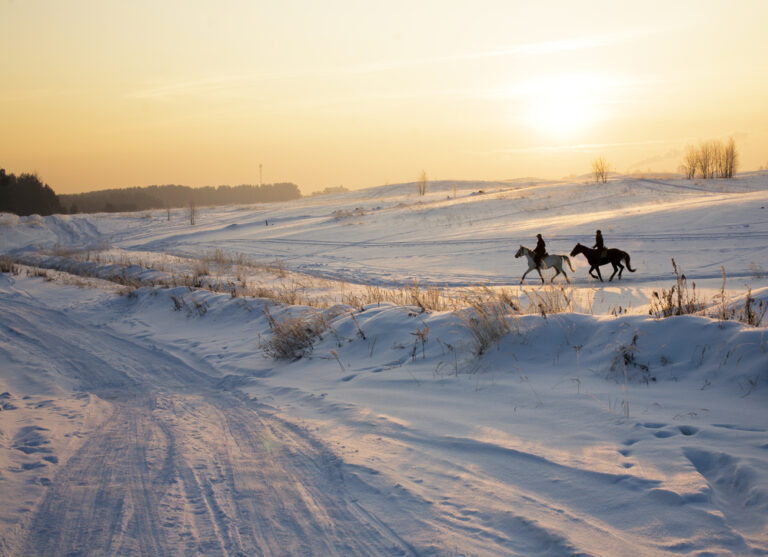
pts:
[566, 276]
[621, 269]
[557, 272]
[540, 275]
[525, 273]
[599, 274]
[615, 270]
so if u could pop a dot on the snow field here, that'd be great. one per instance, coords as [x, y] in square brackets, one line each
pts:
[595, 430]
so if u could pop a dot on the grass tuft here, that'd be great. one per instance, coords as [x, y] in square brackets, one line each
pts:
[678, 300]
[293, 337]
[487, 320]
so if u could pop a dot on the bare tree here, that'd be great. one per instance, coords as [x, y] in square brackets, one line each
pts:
[711, 159]
[707, 159]
[718, 154]
[600, 169]
[422, 183]
[730, 158]
[690, 161]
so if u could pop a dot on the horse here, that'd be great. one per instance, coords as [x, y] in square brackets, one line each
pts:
[595, 259]
[554, 261]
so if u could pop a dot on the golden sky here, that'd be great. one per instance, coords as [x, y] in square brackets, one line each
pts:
[111, 93]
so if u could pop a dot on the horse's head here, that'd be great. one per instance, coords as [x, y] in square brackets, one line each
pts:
[520, 252]
[577, 249]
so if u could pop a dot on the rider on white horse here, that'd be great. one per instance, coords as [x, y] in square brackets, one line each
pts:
[545, 261]
[540, 251]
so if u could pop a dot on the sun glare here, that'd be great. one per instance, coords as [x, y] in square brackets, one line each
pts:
[564, 106]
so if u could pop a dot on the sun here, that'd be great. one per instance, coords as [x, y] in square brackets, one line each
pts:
[563, 114]
[563, 106]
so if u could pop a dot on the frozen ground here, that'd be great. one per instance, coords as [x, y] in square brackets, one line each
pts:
[153, 423]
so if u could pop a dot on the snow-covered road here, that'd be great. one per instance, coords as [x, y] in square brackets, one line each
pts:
[179, 463]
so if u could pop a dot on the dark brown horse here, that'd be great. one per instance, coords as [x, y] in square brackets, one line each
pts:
[613, 256]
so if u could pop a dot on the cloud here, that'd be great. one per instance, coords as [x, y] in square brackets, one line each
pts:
[539, 48]
[246, 84]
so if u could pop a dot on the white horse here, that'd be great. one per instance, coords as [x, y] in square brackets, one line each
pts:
[554, 261]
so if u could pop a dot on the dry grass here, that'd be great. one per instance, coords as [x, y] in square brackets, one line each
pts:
[753, 312]
[425, 298]
[678, 300]
[293, 336]
[232, 273]
[488, 318]
[682, 300]
[7, 265]
[558, 299]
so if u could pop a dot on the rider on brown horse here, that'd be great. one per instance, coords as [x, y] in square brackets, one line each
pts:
[599, 244]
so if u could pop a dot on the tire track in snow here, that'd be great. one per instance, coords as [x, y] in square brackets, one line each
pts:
[105, 499]
[181, 466]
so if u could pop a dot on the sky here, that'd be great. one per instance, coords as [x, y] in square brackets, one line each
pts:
[108, 93]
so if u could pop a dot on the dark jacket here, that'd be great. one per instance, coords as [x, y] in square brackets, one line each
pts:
[540, 250]
[599, 241]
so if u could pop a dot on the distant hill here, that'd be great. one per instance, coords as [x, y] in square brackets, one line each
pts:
[161, 197]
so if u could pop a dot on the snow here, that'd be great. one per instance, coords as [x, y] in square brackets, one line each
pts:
[141, 416]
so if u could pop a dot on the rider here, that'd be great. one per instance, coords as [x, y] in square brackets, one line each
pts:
[599, 245]
[540, 251]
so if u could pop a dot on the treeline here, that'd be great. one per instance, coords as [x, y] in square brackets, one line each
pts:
[711, 159]
[26, 195]
[171, 196]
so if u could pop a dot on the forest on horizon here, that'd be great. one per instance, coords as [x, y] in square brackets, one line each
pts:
[26, 194]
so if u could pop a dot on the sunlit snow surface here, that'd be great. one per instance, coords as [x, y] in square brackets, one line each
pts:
[134, 425]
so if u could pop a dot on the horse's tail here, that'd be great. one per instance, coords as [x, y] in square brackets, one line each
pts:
[568, 260]
[626, 260]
